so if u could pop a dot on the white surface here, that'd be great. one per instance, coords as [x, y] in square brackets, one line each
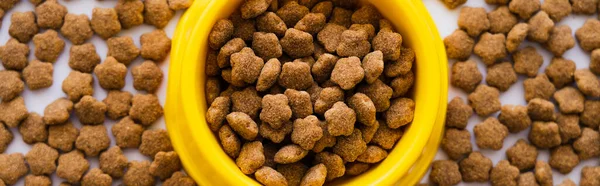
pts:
[446, 22]
[37, 100]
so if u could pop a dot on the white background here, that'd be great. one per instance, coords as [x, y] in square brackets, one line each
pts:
[446, 20]
[37, 100]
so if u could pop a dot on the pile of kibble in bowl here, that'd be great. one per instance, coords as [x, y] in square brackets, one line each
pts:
[569, 135]
[58, 147]
[306, 92]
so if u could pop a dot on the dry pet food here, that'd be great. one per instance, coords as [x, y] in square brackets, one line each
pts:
[475, 168]
[42, 159]
[113, 162]
[138, 173]
[22, 26]
[14, 55]
[50, 14]
[48, 46]
[38, 75]
[72, 166]
[122, 49]
[77, 28]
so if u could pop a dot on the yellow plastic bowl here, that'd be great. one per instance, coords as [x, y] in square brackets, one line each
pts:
[200, 151]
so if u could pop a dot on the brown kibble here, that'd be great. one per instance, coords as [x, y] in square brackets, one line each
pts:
[459, 45]
[569, 100]
[341, 16]
[389, 43]
[473, 20]
[329, 140]
[400, 113]
[458, 113]
[275, 110]
[295, 75]
[317, 174]
[522, 155]
[563, 159]
[138, 173]
[229, 141]
[367, 14]
[268, 75]
[379, 92]
[299, 102]
[83, 58]
[90, 111]
[355, 43]
[251, 157]
[485, 100]
[127, 133]
[11, 85]
[62, 136]
[557, 9]
[269, 176]
[14, 55]
[157, 13]
[386, 137]
[48, 46]
[271, 23]
[595, 61]
[105, 22]
[307, 132]
[213, 89]
[587, 82]
[42, 159]
[567, 182]
[220, 34]
[244, 28]
[37, 180]
[22, 26]
[540, 27]
[516, 36]
[356, 168]
[373, 154]
[514, 117]
[246, 101]
[165, 164]
[544, 135]
[452, 4]
[72, 166]
[111, 74]
[6, 5]
[543, 173]
[290, 154]
[324, 7]
[351, 147]
[38, 75]
[364, 108]
[588, 35]
[527, 179]
[561, 40]
[323, 67]
[130, 13]
[456, 143]
[217, 112]
[588, 144]
[77, 28]
[445, 172]
[122, 49]
[145, 109]
[491, 47]
[32, 130]
[340, 119]
[590, 116]
[501, 20]
[297, 43]
[330, 36]
[50, 14]
[211, 67]
[401, 66]
[291, 13]
[584, 6]
[266, 45]
[180, 5]
[294, 172]
[589, 176]
[311, 23]
[154, 141]
[475, 168]
[179, 179]
[333, 162]
[12, 167]
[117, 103]
[243, 125]
[155, 45]
[504, 173]
[13, 112]
[92, 140]
[58, 112]
[96, 177]
[6, 138]
[490, 134]
[527, 61]
[347, 72]
[524, 8]
[77, 85]
[541, 110]
[254, 8]
[568, 127]
[561, 72]
[538, 87]
[501, 75]
[245, 66]
[147, 77]
[113, 162]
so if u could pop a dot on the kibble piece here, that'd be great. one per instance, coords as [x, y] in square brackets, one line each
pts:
[230, 142]
[83, 58]
[275, 110]
[561, 72]
[154, 141]
[307, 132]
[563, 158]
[491, 47]
[217, 112]
[364, 108]
[445, 172]
[147, 77]
[311, 23]
[243, 125]
[322, 68]
[299, 102]
[220, 34]
[41, 159]
[527, 61]
[567, 182]
[155, 45]
[540, 27]
[522, 155]
[246, 101]
[524, 8]
[269, 176]
[32, 129]
[145, 109]
[113, 162]
[58, 112]
[349, 148]
[291, 13]
[6, 5]
[587, 82]
[333, 162]
[584, 6]
[465, 75]
[50, 14]
[48, 46]
[389, 43]
[501, 76]
[527, 179]
[13, 112]
[504, 174]
[271, 23]
[62, 137]
[475, 168]
[11, 85]
[543, 173]
[386, 137]
[458, 113]
[127, 133]
[294, 172]
[117, 103]
[329, 140]
[111, 74]
[5, 138]
[266, 45]
[356, 168]
[459, 45]
[560, 40]
[130, 13]
[295, 75]
[587, 145]
[368, 28]
[588, 35]
[290, 154]
[244, 28]
[595, 61]
[324, 7]
[122, 49]
[568, 126]
[366, 14]
[165, 164]
[452, 4]
[379, 92]
[180, 5]
[22, 26]
[590, 116]
[92, 140]
[473, 20]
[400, 113]
[485, 100]
[589, 176]
[557, 9]
[251, 157]
[456, 143]
[514, 117]
[373, 154]
[569, 100]
[12, 167]
[72, 166]
[37, 180]
[297, 43]
[490, 134]
[77, 28]
[245, 66]
[347, 72]
[14, 55]
[340, 119]
[179, 178]
[157, 13]
[90, 111]
[316, 175]
[516, 36]
[38, 75]
[538, 87]
[544, 134]
[541, 110]
[96, 177]
[138, 173]
[501, 20]
[213, 89]
[330, 36]
[355, 43]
